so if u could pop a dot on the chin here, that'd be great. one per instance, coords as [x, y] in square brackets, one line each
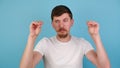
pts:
[62, 35]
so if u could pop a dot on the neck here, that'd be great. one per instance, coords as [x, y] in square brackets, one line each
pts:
[66, 39]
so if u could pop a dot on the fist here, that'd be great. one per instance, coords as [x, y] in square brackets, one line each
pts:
[35, 28]
[93, 27]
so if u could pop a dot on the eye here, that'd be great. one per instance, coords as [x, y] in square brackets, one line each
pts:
[65, 20]
[57, 21]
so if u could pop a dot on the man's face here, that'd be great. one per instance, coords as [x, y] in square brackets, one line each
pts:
[62, 25]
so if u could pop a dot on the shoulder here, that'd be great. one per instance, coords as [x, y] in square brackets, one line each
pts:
[80, 40]
[46, 40]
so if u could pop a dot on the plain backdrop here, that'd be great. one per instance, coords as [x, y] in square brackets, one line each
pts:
[16, 16]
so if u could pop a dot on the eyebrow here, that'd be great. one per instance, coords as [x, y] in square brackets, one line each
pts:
[56, 20]
[63, 19]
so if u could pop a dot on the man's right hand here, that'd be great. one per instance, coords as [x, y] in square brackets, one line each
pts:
[35, 28]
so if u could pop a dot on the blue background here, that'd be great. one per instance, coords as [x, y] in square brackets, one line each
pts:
[16, 16]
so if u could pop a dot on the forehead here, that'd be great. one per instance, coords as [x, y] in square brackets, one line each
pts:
[63, 16]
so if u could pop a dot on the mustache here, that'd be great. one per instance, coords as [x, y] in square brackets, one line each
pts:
[62, 29]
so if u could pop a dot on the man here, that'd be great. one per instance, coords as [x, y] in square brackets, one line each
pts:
[63, 50]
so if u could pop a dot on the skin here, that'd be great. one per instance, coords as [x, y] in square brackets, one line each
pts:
[62, 25]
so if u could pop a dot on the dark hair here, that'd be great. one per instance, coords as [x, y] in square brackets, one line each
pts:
[59, 10]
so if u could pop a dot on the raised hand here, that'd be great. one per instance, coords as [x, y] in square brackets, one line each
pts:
[35, 28]
[93, 28]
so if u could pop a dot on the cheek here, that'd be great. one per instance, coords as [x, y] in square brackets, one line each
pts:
[68, 26]
[56, 27]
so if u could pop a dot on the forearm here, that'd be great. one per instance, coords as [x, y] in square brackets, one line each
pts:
[27, 58]
[101, 54]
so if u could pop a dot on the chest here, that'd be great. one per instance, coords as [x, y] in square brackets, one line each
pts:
[64, 54]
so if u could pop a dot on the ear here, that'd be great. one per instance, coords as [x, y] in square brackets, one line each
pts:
[52, 24]
[72, 22]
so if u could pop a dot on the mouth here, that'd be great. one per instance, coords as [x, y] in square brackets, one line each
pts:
[62, 30]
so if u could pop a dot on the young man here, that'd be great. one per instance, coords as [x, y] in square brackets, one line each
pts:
[63, 50]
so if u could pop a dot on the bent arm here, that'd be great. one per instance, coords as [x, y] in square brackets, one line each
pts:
[99, 58]
[30, 58]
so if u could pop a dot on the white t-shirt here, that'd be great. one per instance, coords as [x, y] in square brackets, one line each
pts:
[58, 54]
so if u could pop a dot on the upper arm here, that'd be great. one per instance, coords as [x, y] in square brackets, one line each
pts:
[36, 58]
[92, 56]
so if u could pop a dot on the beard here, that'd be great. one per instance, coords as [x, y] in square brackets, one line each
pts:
[62, 33]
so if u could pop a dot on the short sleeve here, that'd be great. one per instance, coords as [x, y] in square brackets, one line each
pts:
[87, 46]
[41, 46]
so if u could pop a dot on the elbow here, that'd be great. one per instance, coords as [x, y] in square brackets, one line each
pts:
[107, 65]
[22, 65]
[104, 65]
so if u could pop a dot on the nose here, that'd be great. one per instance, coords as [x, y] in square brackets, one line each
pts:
[61, 24]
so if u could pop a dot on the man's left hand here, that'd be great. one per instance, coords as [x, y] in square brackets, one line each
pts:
[93, 28]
